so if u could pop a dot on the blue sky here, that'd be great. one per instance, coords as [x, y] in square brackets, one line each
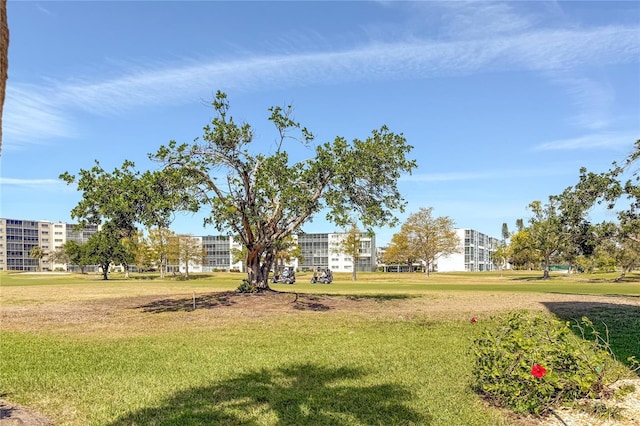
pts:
[503, 102]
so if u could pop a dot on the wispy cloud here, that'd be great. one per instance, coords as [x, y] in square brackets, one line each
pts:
[41, 112]
[33, 114]
[33, 183]
[607, 140]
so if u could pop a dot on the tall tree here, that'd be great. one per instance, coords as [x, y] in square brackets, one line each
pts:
[262, 198]
[4, 58]
[430, 238]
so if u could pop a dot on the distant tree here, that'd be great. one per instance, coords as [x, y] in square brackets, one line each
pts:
[349, 244]
[430, 238]
[400, 251]
[287, 249]
[521, 253]
[130, 253]
[77, 254]
[58, 256]
[615, 247]
[500, 256]
[519, 225]
[190, 251]
[505, 233]
[239, 255]
[264, 198]
[142, 258]
[37, 253]
[160, 248]
[106, 247]
[546, 232]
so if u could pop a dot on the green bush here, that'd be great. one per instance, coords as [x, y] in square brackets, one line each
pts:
[531, 362]
[246, 287]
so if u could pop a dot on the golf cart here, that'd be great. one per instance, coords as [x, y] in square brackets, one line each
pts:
[284, 275]
[323, 277]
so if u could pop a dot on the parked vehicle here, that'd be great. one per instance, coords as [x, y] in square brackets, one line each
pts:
[324, 276]
[284, 275]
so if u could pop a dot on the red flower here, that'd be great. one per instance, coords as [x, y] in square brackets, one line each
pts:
[538, 371]
[474, 320]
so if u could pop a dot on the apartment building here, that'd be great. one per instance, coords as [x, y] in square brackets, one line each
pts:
[320, 250]
[323, 250]
[18, 237]
[475, 251]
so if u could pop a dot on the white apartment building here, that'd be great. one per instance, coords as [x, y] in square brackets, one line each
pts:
[18, 237]
[320, 250]
[474, 253]
[323, 250]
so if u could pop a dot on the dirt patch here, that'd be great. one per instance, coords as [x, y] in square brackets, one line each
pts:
[16, 415]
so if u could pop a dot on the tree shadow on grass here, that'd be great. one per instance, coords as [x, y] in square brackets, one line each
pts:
[619, 323]
[295, 395]
[540, 278]
[205, 301]
[380, 297]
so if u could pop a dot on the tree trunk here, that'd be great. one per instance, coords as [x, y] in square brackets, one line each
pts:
[623, 274]
[546, 268]
[105, 271]
[162, 267]
[354, 276]
[4, 58]
[258, 274]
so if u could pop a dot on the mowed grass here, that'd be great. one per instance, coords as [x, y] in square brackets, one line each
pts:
[387, 349]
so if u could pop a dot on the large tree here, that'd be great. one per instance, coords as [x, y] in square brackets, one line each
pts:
[126, 198]
[619, 189]
[261, 198]
[430, 238]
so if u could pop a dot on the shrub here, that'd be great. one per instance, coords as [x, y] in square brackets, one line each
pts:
[246, 287]
[531, 362]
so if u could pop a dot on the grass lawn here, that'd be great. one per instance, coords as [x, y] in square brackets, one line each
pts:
[387, 349]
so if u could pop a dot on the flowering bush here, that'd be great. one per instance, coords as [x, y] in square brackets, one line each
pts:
[531, 362]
